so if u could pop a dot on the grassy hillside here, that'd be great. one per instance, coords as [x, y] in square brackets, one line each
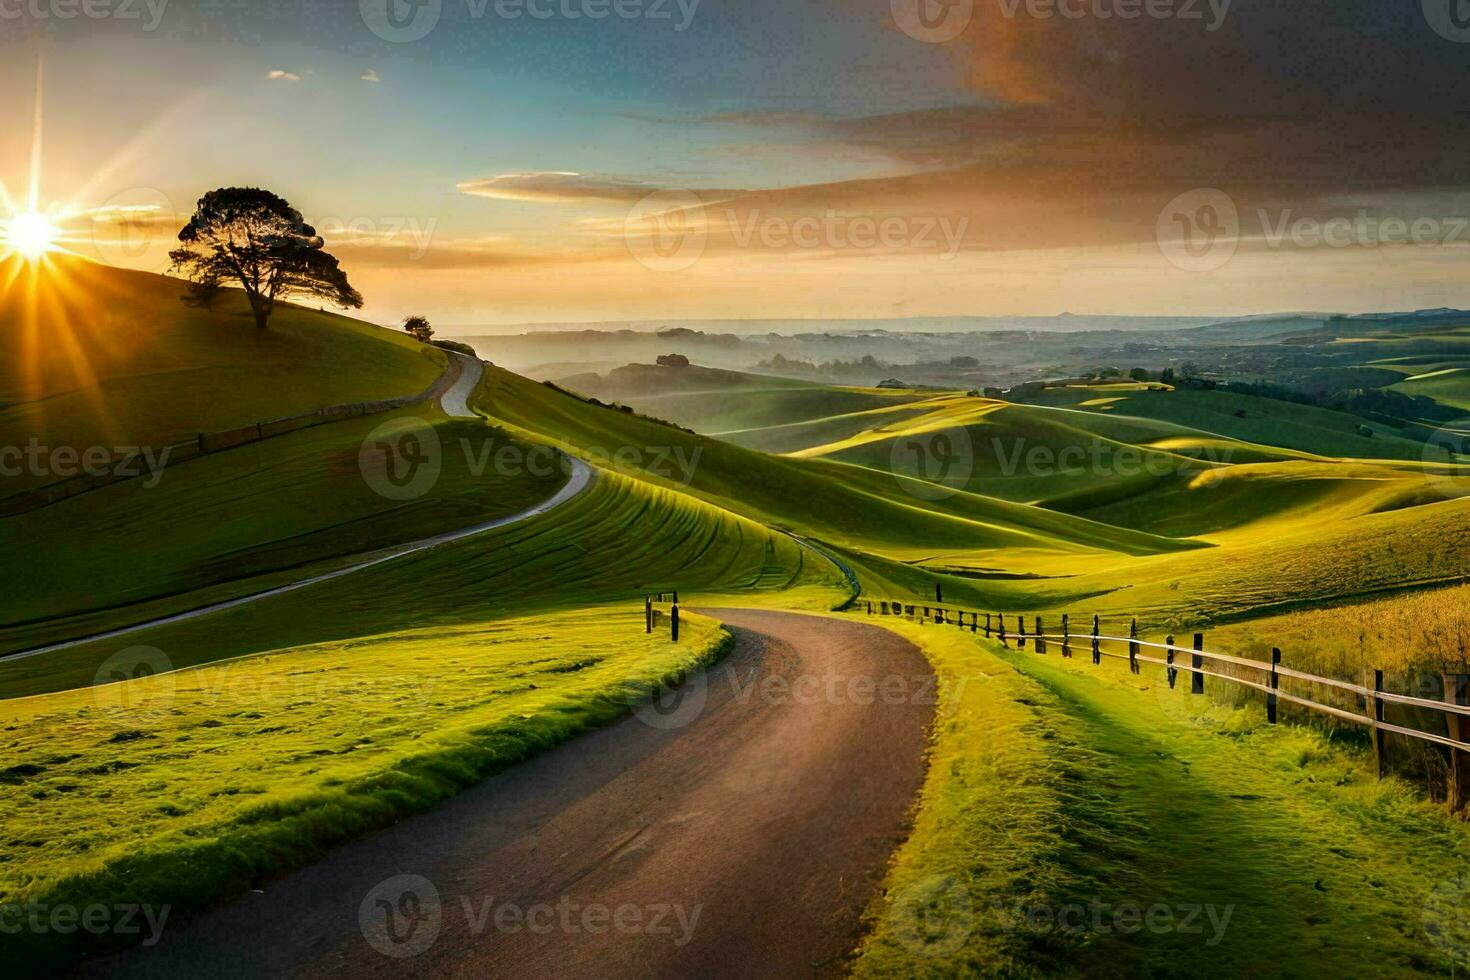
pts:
[734, 405]
[281, 505]
[849, 506]
[92, 355]
[181, 789]
[612, 542]
[1448, 384]
[1080, 821]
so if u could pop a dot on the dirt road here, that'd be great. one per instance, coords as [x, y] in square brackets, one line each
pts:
[739, 828]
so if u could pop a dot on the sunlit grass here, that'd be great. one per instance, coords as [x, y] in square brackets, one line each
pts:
[1056, 784]
[182, 788]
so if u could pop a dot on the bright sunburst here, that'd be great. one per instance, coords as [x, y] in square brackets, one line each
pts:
[30, 233]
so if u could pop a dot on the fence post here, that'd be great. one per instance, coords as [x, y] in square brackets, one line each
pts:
[1457, 691]
[1066, 637]
[974, 621]
[938, 592]
[1172, 670]
[939, 616]
[870, 607]
[926, 614]
[648, 614]
[1040, 639]
[1380, 743]
[676, 597]
[1000, 620]
[1020, 632]
[1197, 679]
[1096, 643]
[1133, 646]
[1275, 683]
[674, 623]
[987, 624]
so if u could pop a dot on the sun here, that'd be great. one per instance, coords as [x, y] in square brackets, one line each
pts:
[31, 233]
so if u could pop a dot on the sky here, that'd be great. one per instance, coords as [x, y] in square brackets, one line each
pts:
[489, 162]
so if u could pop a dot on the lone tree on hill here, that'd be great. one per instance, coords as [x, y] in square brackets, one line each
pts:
[251, 237]
[419, 327]
[673, 360]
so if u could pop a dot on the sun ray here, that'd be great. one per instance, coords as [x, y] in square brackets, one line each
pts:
[33, 200]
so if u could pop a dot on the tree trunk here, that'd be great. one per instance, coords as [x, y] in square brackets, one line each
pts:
[261, 316]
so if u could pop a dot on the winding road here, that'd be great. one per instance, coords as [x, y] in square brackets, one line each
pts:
[455, 403]
[736, 828]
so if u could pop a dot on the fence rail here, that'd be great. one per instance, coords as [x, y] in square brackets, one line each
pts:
[1455, 706]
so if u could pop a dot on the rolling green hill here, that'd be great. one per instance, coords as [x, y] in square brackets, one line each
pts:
[733, 405]
[96, 356]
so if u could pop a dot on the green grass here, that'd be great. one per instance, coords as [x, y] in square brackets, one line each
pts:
[845, 505]
[283, 504]
[733, 405]
[96, 356]
[1448, 384]
[1055, 784]
[613, 542]
[183, 788]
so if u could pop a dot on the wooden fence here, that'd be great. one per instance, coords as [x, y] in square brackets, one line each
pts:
[653, 614]
[1264, 676]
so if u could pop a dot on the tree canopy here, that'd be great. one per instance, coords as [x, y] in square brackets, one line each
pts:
[419, 327]
[252, 238]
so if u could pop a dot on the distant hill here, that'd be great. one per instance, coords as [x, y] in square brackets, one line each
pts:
[720, 402]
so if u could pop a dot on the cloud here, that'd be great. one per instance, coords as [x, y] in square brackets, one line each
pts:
[558, 186]
[420, 252]
[370, 76]
[279, 75]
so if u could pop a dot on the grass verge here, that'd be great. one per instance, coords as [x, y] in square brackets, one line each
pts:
[1079, 821]
[175, 791]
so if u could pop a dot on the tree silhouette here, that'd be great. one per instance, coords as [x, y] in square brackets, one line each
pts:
[419, 327]
[250, 237]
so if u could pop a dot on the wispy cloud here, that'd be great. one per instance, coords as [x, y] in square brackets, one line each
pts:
[559, 186]
[370, 76]
[280, 75]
